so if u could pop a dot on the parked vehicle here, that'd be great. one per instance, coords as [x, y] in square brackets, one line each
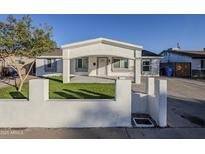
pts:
[9, 72]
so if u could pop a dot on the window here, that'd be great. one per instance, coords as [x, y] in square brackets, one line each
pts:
[146, 65]
[120, 63]
[82, 64]
[50, 65]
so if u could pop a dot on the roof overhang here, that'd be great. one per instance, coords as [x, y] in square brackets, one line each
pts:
[104, 41]
[152, 57]
[39, 57]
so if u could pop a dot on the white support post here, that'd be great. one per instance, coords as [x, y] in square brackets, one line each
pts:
[151, 86]
[146, 85]
[123, 98]
[66, 70]
[38, 90]
[162, 97]
[123, 90]
[137, 67]
[157, 101]
[66, 66]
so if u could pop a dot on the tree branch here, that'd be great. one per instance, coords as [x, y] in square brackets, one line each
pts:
[29, 70]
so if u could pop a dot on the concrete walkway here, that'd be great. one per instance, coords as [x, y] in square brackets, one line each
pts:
[89, 79]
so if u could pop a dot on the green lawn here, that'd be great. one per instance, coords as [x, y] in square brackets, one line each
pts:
[58, 90]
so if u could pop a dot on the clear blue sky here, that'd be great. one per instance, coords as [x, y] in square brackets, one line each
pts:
[154, 32]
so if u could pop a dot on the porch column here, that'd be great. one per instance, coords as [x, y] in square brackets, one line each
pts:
[66, 70]
[138, 66]
[66, 66]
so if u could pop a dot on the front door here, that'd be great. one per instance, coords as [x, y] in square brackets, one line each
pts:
[102, 66]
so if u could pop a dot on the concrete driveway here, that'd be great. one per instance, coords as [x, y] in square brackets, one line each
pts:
[186, 102]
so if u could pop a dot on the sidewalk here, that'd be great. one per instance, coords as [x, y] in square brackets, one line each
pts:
[104, 133]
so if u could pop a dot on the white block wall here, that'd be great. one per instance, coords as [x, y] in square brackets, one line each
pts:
[153, 102]
[41, 112]
[139, 103]
[157, 101]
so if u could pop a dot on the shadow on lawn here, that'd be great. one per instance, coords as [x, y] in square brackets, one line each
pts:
[68, 94]
[53, 79]
[17, 95]
[96, 93]
[64, 95]
[81, 94]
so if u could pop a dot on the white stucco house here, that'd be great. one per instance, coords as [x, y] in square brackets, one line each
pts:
[99, 57]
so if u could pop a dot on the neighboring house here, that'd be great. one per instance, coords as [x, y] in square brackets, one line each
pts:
[99, 57]
[185, 63]
[150, 63]
[50, 64]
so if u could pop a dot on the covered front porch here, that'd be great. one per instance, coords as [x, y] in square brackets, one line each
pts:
[102, 66]
[102, 58]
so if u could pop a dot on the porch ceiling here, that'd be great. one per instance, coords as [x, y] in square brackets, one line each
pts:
[100, 55]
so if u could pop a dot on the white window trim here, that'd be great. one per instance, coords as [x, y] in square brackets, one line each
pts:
[53, 67]
[150, 66]
[120, 68]
[77, 69]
